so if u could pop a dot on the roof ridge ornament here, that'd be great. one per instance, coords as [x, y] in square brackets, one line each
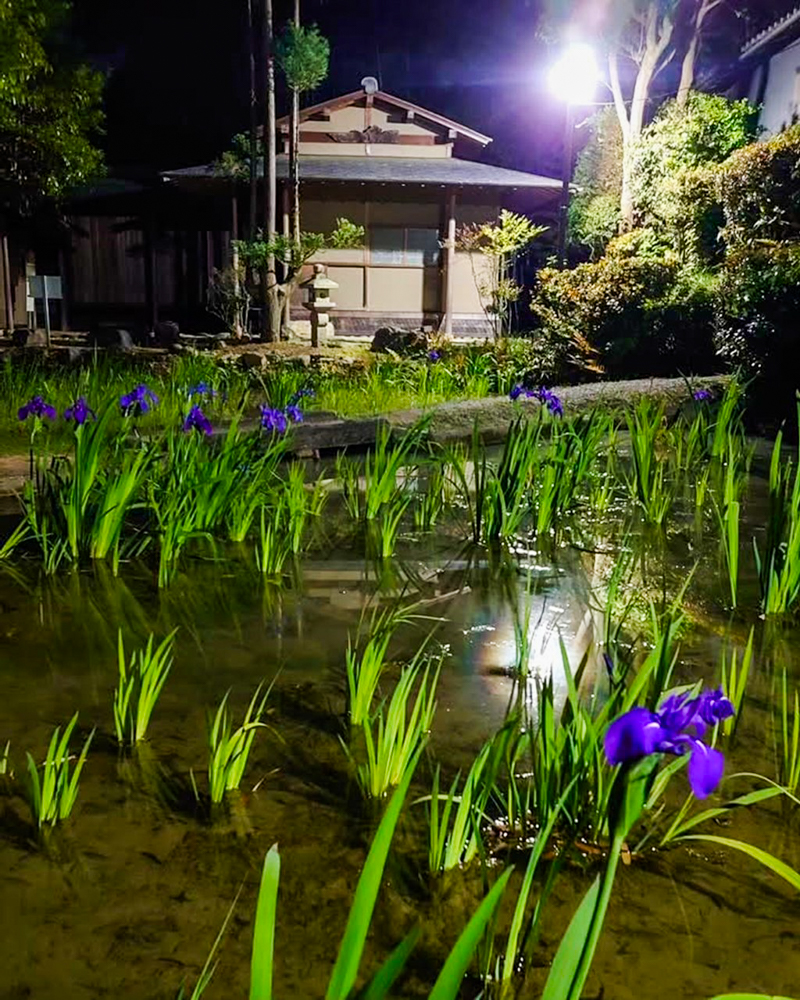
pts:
[370, 85]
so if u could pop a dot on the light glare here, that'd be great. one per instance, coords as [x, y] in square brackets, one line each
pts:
[574, 77]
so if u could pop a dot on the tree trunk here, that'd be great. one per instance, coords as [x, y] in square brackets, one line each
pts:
[253, 176]
[294, 148]
[689, 64]
[658, 32]
[5, 267]
[271, 320]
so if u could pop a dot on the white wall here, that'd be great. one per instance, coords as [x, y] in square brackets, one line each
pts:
[782, 96]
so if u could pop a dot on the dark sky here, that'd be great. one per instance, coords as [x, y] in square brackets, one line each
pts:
[178, 72]
[178, 76]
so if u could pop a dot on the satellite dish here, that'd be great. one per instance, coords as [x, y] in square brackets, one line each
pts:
[370, 85]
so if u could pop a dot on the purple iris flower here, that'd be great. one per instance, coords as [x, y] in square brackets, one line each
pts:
[549, 399]
[300, 394]
[79, 412]
[36, 407]
[703, 395]
[198, 421]
[433, 355]
[138, 401]
[676, 728]
[273, 420]
[294, 413]
[202, 389]
[545, 396]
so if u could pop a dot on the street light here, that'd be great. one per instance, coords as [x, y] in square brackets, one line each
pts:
[573, 79]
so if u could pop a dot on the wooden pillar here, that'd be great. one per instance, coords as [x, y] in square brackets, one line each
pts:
[7, 293]
[64, 261]
[150, 276]
[287, 232]
[449, 264]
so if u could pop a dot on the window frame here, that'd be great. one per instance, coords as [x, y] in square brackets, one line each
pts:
[405, 251]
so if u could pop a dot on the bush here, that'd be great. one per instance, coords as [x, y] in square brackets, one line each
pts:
[594, 212]
[756, 322]
[593, 221]
[674, 174]
[630, 315]
[760, 191]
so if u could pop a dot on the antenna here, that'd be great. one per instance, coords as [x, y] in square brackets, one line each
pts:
[370, 84]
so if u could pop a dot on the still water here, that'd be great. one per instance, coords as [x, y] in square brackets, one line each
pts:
[132, 898]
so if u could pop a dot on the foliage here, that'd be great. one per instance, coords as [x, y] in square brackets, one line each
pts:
[594, 210]
[140, 684]
[229, 749]
[293, 254]
[302, 54]
[227, 296]
[53, 792]
[778, 564]
[398, 729]
[593, 221]
[755, 326]
[500, 244]
[673, 187]
[234, 163]
[760, 192]
[50, 107]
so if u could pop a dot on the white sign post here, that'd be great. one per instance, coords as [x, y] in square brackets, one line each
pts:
[46, 287]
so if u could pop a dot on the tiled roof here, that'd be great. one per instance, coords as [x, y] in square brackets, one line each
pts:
[444, 171]
[771, 32]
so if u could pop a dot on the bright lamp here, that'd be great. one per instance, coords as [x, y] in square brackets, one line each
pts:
[573, 78]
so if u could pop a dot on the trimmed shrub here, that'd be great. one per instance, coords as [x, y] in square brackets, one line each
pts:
[760, 191]
[757, 321]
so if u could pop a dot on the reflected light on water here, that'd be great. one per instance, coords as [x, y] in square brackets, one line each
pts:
[508, 639]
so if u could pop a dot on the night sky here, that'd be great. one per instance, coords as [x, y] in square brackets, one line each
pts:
[178, 76]
[178, 73]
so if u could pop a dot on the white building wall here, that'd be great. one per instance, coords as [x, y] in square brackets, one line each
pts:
[782, 95]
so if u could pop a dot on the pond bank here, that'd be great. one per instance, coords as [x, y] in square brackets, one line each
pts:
[449, 421]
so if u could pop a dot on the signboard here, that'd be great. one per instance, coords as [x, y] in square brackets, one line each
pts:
[45, 286]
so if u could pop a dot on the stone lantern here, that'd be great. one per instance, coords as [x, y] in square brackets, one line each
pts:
[319, 303]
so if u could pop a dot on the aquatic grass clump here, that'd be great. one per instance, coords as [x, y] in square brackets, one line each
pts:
[274, 545]
[454, 843]
[364, 665]
[646, 481]
[778, 563]
[344, 975]
[52, 787]
[788, 738]
[229, 748]
[398, 730]
[140, 684]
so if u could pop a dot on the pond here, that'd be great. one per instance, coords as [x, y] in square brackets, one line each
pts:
[127, 897]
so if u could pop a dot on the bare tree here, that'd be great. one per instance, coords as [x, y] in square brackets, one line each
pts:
[699, 15]
[272, 312]
[646, 40]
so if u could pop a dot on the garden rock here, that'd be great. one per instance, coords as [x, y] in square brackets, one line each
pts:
[23, 337]
[395, 340]
[166, 333]
[252, 359]
[112, 339]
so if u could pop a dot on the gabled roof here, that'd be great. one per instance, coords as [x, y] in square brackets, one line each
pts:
[381, 97]
[772, 33]
[443, 171]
